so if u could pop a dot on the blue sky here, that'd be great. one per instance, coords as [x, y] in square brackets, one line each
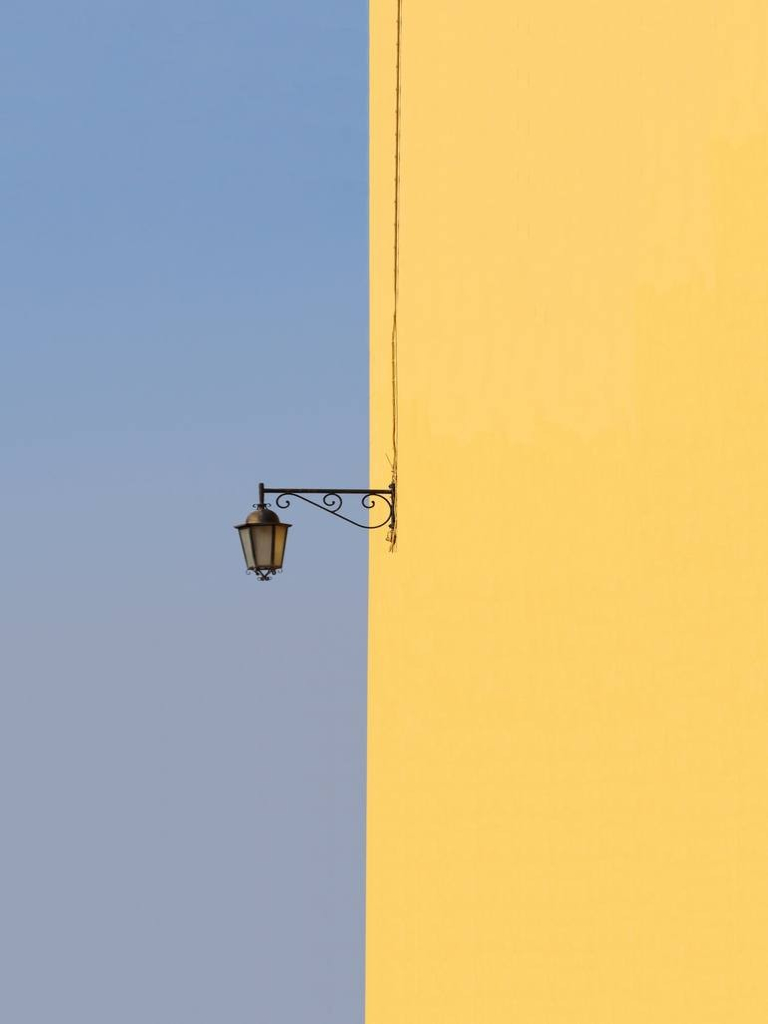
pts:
[183, 279]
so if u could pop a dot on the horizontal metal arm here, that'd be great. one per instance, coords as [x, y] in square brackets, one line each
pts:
[332, 500]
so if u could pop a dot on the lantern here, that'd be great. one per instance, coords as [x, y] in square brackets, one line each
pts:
[263, 538]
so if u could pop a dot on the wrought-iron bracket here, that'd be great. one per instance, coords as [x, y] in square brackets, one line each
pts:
[332, 501]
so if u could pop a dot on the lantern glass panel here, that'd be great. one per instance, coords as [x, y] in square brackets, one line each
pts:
[281, 534]
[262, 535]
[245, 540]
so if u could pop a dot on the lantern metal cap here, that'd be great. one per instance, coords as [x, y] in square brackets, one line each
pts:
[261, 514]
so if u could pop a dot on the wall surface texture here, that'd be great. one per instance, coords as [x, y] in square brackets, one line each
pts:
[568, 724]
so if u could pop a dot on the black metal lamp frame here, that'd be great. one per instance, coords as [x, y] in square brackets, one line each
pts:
[332, 501]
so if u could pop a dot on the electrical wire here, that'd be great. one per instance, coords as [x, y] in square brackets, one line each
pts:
[392, 536]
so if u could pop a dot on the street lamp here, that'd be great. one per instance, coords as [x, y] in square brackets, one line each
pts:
[263, 535]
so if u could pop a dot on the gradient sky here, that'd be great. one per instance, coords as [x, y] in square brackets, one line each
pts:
[183, 313]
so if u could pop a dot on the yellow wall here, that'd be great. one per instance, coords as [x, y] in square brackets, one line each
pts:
[568, 733]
